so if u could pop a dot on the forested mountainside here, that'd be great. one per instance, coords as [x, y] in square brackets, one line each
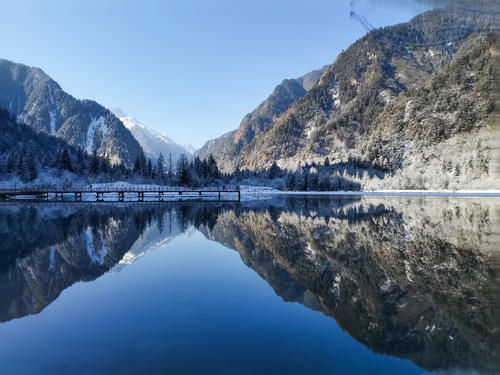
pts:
[23, 151]
[414, 101]
[226, 148]
[38, 101]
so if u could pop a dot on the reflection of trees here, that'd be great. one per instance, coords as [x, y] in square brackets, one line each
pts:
[46, 248]
[35, 238]
[401, 276]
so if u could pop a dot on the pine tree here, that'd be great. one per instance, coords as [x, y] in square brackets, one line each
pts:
[327, 162]
[170, 165]
[10, 164]
[213, 169]
[160, 166]
[273, 171]
[143, 164]
[31, 168]
[137, 165]
[183, 170]
[290, 181]
[95, 165]
[104, 165]
[18, 164]
[80, 162]
[149, 169]
[64, 161]
[198, 166]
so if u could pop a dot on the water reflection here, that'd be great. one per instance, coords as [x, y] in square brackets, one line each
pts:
[407, 277]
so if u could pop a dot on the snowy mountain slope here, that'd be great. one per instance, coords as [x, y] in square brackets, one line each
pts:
[412, 100]
[38, 101]
[152, 142]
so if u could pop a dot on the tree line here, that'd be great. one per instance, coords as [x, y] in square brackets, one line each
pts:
[23, 152]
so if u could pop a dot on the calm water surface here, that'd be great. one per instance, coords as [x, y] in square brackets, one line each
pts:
[297, 285]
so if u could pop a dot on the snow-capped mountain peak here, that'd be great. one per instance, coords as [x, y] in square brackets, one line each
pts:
[152, 142]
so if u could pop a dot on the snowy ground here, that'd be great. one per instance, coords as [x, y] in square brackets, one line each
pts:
[262, 190]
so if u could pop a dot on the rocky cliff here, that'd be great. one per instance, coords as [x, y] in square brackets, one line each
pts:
[38, 101]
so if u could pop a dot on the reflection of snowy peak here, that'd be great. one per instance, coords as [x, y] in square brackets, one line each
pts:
[156, 235]
[152, 142]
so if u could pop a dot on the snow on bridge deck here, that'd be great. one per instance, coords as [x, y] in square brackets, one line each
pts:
[225, 193]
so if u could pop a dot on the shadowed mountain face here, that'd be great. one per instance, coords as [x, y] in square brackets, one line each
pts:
[38, 101]
[415, 278]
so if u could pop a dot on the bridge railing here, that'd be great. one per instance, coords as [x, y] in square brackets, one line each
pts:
[115, 189]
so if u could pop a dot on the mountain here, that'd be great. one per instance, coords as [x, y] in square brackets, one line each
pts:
[38, 101]
[407, 100]
[152, 142]
[226, 148]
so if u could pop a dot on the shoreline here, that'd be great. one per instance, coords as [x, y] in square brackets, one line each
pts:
[398, 193]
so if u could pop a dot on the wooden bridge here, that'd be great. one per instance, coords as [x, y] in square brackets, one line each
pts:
[219, 193]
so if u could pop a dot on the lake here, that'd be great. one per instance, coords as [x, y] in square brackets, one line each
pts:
[289, 285]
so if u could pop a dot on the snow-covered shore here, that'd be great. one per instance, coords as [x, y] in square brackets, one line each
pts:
[259, 190]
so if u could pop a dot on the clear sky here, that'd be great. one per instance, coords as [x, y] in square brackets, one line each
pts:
[189, 68]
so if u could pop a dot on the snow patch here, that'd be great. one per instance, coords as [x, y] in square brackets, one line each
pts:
[431, 53]
[386, 96]
[409, 274]
[52, 122]
[334, 92]
[386, 285]
[52, 260]
[97, 258]
[336, 285]
[408, 109]
[95, 123]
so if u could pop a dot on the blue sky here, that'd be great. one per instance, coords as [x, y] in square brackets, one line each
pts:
[189, 68]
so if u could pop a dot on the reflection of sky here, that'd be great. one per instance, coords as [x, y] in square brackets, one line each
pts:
[191, 307]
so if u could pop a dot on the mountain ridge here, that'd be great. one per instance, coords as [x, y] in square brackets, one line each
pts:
[226, 147]
[40, 102]
[336, 118]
